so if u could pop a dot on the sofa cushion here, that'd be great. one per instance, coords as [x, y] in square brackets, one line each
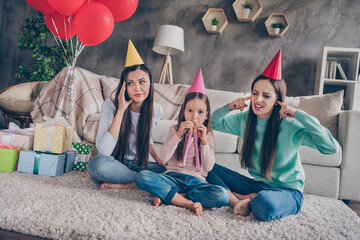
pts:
[224, 143]
[326, 108]
[314, 157]
[220, 98]
[109, 86]
[19, 97]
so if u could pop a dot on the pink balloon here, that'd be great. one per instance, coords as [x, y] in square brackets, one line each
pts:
[94, 23]
[61, 26]
[121, 9]
[67, 7]
[41, 5]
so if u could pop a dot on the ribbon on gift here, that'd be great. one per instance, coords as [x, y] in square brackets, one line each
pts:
[8, 136]
[51, 123]
[191, 134]
[81, 158]
[37, 163]
[2, 145]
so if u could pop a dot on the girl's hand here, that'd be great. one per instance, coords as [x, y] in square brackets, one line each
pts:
[123, 104]
[158, 161]
[286, 110]
[238, 103]
[184, 127]
[201, 131]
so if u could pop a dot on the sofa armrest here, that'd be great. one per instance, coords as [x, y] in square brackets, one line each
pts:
[349, 131]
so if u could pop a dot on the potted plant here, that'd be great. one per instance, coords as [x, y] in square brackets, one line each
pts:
[277, 26]
[248, 6]
[214, 23]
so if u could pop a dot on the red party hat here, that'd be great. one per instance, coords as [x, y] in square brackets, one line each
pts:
[198, 84]
[273, 70]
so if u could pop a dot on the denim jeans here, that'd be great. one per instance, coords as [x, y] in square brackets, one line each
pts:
[165, 186]
[270, 202]
[106, 169]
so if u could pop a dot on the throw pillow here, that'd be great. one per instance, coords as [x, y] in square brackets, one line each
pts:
[326, 108]
[109, 86]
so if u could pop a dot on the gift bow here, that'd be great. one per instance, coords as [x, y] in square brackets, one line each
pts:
[191, 133]
[51, 124]
[8, 135]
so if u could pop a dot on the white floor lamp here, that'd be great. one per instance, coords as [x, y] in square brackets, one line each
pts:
[169, 41]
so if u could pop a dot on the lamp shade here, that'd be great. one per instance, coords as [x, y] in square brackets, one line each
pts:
[169, 39]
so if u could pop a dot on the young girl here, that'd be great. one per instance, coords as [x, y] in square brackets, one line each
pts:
[124, 134]
[272, 133]
[185, 185]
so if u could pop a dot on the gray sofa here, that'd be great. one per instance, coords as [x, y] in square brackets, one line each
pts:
[336, 176]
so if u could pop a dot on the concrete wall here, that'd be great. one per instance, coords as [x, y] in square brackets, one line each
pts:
[229, 61]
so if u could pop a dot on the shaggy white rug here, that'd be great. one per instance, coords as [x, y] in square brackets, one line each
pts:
[70, 207]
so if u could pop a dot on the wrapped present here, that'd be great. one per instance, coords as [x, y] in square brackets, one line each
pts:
[16, 136]
[82, 157]
[82, 148]
[8, 157]
[54, 135]
[45, 163]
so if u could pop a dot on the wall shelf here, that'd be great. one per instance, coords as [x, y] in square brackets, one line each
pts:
[240, 10]
[209, 15]
[275, 18]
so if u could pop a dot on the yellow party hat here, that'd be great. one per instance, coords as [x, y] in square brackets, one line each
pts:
[132, 56]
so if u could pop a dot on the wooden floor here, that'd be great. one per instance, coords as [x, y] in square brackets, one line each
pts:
[6, 235]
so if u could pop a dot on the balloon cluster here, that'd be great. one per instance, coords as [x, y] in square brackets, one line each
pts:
[91, 20]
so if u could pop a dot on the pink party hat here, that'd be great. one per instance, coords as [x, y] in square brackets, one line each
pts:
[198, 84]
[273, 70]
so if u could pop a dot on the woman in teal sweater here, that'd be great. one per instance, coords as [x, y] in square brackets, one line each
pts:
[273, 133]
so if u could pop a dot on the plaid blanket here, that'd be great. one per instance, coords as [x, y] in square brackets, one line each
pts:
[53, 102]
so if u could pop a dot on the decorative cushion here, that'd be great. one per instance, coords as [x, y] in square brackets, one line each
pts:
[326, 108]
[18, 98]
[109, 86]
[224, 143]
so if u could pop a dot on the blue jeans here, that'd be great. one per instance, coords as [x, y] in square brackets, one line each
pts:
[165, 186]
[270, 202]
[106, 169]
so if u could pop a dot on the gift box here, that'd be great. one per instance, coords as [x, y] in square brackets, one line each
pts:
[82, 157]
[45, 163]
[8, 158]
[53, 136]
[82, 148]
[16, 136]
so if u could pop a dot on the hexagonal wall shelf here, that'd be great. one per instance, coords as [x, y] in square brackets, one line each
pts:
[244, 15]
[209, 15]
[276, 18]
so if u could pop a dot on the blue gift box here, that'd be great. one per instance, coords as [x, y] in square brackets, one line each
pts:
[47, 164]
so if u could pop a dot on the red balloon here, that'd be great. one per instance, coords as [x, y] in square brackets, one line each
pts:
[94, 23]
[61, 26]
[121, 9]
[41, 5]
[67, 7]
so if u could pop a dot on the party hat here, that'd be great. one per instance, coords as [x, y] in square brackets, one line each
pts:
[273, 70]
[198, 84]
[132, 56]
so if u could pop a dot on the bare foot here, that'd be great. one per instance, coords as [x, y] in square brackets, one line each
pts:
[242, 207]
[157, 201]
[197, 208]
[106, 186]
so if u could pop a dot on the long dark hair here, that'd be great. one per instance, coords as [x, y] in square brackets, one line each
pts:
[144, 124]
[267, 154]
[190, 96]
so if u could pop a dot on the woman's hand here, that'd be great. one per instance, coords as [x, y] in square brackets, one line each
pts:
[287, 110]
[238, 103]
[184, 127]
[123, 104]
[201, 131]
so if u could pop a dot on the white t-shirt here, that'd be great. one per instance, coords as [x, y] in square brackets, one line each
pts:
[105, 142]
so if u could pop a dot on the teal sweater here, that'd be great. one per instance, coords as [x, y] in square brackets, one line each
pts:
[303, 130]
